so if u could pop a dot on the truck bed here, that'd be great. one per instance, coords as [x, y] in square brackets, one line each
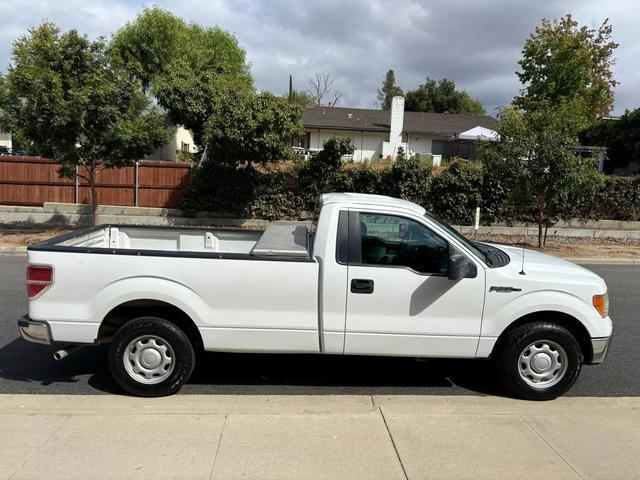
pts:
[280, 239]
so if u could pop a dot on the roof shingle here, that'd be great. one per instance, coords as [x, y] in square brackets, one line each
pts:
[343, 118]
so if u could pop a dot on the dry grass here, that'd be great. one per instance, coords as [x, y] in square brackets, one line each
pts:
[574, 246]
[18, 236]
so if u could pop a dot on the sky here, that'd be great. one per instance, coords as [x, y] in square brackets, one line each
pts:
[476, 43]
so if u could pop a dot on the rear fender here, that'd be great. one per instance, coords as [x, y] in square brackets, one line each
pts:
[150, 288]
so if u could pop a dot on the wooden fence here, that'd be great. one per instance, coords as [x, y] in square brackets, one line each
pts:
[146, 183]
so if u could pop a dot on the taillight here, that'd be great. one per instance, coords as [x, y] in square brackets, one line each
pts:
[39, 278]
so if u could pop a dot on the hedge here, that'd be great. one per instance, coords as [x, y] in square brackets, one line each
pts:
[452, 192]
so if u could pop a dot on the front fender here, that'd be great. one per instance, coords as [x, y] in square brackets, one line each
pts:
[500, 314]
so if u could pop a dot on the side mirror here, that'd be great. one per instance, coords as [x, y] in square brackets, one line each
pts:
[460, 266]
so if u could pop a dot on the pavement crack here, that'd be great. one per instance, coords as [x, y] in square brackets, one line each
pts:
[215, 457]
[66, 419]
[395, 448]
[551, 446]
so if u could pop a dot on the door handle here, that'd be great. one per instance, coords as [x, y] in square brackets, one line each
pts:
[360, 285]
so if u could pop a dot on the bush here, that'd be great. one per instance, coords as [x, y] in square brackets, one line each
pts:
[185, 156]
[452, 193]
[409, 179]
[493, 196]
[276, 196]
[220, 188]
[456, 192]
[617, 199]
[362, 178]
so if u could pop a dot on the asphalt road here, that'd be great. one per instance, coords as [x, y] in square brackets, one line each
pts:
[29, 368]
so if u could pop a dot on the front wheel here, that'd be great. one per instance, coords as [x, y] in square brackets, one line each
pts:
[538, 361]
[151, 357]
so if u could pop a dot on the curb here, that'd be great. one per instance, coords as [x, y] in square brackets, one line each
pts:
[13, 250]
[603, 261]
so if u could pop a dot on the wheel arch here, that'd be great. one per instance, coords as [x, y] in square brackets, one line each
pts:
[569, 322]
[126, 311]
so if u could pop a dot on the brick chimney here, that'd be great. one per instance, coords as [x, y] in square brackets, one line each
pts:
[397, 119]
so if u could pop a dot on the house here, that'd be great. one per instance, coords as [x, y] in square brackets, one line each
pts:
[6, 143]
[182, 140]
[377, 134]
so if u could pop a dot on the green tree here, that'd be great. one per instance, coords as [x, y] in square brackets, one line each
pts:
[301, 98]
[188, 68]
[536, 159]
[562, 61]
[298, 97]
[72, 103]
[388, 90]
[441, 96]
[252, 128]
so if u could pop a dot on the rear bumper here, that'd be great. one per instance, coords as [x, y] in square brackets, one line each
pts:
[600, 348]
[34, 331]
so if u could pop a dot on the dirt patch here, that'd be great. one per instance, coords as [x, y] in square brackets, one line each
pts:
[575, 247]
[22, 236]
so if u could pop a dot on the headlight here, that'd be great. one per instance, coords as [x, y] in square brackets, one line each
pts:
[601, 304]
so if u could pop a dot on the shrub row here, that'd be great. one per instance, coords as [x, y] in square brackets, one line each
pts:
[452, 192]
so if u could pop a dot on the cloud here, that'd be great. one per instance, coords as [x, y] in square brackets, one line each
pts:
[477, 44]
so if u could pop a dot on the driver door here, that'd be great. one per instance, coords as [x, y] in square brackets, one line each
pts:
[399, 298]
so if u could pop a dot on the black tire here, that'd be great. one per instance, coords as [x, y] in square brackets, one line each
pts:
[181, 356]
[513, 344]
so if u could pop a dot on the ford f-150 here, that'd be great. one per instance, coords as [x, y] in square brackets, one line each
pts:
[376, 276]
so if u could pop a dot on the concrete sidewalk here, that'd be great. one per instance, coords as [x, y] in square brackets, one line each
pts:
[299, 437]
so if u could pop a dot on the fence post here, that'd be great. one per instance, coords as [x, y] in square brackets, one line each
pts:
[135, 191]
[76, 187]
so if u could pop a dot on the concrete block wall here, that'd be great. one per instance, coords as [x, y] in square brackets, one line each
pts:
[73, 214]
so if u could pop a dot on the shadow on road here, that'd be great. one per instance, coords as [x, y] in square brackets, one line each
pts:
[29, 368]
[24, 366]
[337, 374]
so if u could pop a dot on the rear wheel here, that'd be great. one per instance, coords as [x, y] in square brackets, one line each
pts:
[151, 357]
[538, 361]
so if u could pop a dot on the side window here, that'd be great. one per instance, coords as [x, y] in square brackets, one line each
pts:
[437, 147]
[392, 240]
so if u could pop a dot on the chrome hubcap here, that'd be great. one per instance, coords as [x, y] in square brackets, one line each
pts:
[149, 359]
[543, 364]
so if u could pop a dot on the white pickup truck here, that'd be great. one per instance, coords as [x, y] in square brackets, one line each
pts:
[379, 276]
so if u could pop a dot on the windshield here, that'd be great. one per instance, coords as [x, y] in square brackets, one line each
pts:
[461, 238]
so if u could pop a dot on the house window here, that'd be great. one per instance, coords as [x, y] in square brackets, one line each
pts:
[437, 147]
[185, 147]
[303, 141]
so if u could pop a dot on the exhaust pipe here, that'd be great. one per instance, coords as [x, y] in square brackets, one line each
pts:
[65, 352]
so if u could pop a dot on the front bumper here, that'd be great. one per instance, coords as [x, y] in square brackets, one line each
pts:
[34, 331]
[600, 348]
